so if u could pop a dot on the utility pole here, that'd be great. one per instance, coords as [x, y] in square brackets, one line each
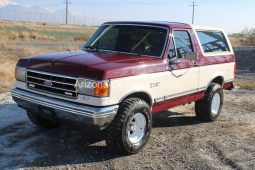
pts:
[67, 3]
[193, 11]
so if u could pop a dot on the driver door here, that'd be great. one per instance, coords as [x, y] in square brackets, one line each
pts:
[183, 76]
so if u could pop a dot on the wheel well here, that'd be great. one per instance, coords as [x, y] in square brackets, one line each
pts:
[218, 80]
[141, 95]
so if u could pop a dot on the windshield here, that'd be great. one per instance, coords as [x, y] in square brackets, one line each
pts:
[133, 39]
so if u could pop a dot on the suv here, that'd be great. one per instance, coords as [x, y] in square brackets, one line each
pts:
[123, 74]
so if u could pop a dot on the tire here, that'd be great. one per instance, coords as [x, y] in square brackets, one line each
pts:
[209, 108]
[130, 130]
[42, 122]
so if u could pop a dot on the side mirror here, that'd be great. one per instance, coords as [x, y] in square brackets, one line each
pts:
[192, 56]
[174, 62]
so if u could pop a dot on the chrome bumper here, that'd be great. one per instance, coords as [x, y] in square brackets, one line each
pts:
[99, 117]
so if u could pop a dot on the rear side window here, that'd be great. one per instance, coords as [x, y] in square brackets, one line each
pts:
[213, 41]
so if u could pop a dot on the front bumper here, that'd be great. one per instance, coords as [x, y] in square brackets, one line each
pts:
[98, 117]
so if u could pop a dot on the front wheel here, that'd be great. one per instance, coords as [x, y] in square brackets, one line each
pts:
[130, 129]
[209, 108]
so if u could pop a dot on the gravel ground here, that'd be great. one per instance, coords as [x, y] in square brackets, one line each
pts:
[177, 141]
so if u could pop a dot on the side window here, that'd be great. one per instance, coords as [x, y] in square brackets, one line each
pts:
[172, 52]
[213, 41]
[183, 43]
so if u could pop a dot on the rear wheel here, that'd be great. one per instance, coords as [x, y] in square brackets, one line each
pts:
[42, 122]
[130, 130]
[209, 108]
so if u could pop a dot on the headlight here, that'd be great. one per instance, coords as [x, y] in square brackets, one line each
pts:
[20, 73]
[94, 88]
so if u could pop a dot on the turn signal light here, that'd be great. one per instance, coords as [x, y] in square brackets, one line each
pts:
[101, 89]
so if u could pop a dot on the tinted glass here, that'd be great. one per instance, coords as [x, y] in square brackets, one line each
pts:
[143, 40]
[213, 41]
[183, 43]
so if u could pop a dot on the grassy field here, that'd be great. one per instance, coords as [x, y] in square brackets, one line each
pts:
[19, 40]
[37, 31]
[245, 81]
[245, 84]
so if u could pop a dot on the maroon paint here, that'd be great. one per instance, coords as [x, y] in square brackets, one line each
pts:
[161, 106]
[95, 65]
[228, 86]
[164, 105]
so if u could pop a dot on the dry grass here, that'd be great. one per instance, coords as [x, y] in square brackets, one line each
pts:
[11, 52]
[235, 42]
[37, 31]
[35, 36]
[245, 84]
[84, 39]
[24, 35]
[13, 35]
[9, 56]
[7, 68]
[15, 43]
[244, 38]
[27, 36]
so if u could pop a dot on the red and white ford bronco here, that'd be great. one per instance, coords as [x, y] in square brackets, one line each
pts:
[123, 74]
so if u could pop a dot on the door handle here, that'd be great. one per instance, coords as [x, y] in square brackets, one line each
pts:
[195, 64]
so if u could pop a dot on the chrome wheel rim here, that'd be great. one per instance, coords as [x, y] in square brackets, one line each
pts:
[215, 105]
[136, 128]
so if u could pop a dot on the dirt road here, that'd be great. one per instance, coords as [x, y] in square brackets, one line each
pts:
[178, 141]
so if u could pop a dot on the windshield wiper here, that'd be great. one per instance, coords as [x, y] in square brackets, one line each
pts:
[124, 52]
[135, 54]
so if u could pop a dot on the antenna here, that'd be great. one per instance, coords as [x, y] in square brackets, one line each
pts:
[193, 11]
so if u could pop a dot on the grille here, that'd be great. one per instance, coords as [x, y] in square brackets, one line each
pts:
[52, 83]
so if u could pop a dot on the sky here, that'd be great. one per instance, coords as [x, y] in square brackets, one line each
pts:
[232, 15]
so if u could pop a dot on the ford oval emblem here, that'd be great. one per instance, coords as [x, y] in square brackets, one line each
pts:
[48, 83]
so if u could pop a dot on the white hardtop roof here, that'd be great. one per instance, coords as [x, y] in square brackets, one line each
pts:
[201, 27]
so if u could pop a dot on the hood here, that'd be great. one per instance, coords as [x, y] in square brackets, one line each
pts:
[95, 65]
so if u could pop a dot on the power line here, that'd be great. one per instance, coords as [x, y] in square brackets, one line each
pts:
[193, 11]
[67, 3]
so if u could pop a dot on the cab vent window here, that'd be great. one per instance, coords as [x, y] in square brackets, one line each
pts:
[183, 43]
[213, 41]
[172, 52]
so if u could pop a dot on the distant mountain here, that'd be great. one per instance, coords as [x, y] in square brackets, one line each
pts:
[7, 2]
[44, 14]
